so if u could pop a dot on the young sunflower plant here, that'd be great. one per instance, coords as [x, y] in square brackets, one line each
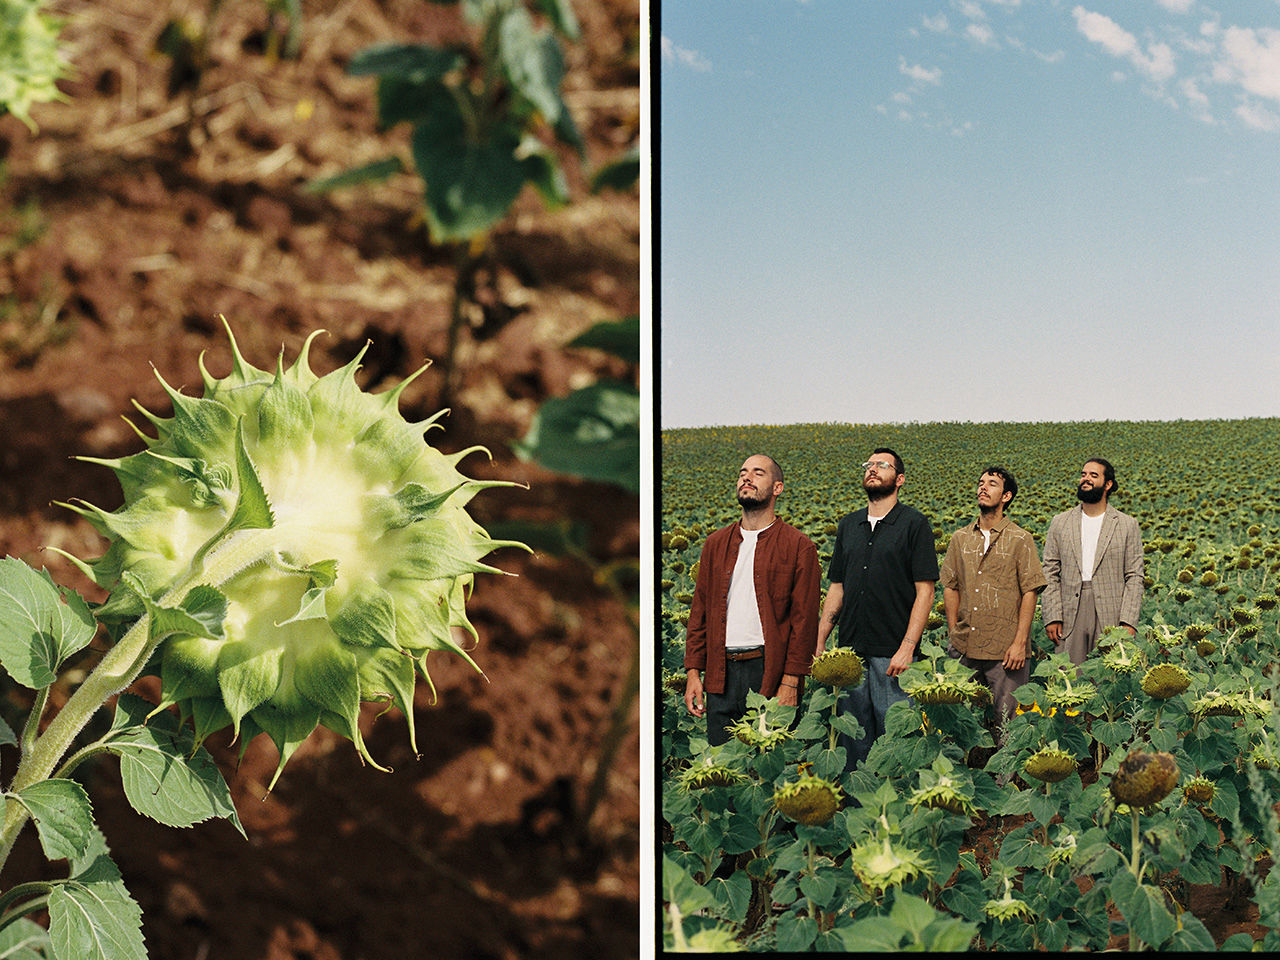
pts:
[289, 547]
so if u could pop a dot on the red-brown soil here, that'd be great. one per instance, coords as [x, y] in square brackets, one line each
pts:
[124, 233]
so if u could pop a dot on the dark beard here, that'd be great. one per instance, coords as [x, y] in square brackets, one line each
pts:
[879, 491]
[1090, 496]
[748, 503]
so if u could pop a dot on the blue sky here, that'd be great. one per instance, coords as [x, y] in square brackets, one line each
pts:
[890, 211]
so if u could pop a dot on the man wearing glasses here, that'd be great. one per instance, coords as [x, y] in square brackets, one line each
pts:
[882, 574]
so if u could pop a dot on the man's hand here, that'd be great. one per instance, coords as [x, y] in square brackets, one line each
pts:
[1054, 630]
[694, 698]
[789, 691]
[1016, 656]
[901, 659]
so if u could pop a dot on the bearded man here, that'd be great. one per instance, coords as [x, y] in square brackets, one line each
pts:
[1093, 563]
[753, 619]
[882, 574]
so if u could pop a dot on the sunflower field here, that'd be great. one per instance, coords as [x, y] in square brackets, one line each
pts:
[1133, 803]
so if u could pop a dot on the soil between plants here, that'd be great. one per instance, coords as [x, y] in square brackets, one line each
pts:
[124, 233]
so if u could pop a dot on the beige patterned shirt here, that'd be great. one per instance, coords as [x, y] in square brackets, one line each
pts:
[991, 585]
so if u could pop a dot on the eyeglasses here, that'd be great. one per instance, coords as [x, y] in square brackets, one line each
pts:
[878, 464]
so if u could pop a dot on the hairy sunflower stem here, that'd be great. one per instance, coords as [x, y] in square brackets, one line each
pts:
[118, 668]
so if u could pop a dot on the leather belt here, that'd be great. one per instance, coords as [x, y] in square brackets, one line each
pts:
[748, 653]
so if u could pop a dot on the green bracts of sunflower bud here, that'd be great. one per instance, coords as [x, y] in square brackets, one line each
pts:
[810, 800]
[1215, 703]
[945, 688]
[837, 667]
[710, 773]
[880, 865]
[1144, 778]
[1165, 680]
[1198, 790]
[298, 547]
[1050, 765]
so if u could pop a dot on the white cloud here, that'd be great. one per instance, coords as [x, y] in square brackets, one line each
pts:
[1177, 6]
[982, 34]
[938, 24]
[687, 58]
[1258, 117]
[918, 73]
[1252, 60]
[1157, 63]
[971, 9]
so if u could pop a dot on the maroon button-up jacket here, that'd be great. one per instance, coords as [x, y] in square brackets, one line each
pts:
[787, 578]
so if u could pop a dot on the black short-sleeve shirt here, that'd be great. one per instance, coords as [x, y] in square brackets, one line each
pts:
[879, 570]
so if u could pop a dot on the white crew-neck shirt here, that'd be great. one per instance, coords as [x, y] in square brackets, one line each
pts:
[1090, 527]
[742, 622]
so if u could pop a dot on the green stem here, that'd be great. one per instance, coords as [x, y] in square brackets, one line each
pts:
[810, 870]
[118, 668]
[1135, 867]
[32, 729]
[38, 889]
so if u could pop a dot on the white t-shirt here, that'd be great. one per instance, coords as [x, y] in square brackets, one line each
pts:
[742, 622]
[1090, 527]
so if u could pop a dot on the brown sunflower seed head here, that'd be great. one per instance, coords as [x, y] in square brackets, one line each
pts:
[1165, 680]
[1144, 778]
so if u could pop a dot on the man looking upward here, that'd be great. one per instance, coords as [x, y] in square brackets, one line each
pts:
[990, 578]
[883, 569]
[753, 620]
[1093, 563]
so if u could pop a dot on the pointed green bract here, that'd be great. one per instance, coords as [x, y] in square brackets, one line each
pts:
[298, 546]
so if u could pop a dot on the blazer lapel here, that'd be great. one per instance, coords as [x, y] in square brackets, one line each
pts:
[1109, 522]
[1073, 541]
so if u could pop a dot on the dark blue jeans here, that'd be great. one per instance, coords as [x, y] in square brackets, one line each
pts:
[869, 701]
[725, 709]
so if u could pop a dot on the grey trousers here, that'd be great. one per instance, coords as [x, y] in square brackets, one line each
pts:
[1083, 638]
[1000, 682]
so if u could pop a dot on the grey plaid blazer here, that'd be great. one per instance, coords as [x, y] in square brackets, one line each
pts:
[1117, 572]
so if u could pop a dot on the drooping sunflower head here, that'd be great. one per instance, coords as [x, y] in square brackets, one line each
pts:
[1145, 778]
[1165, 680]
[1049, 764]
[837, 667]
[810, 800]
[301, 546]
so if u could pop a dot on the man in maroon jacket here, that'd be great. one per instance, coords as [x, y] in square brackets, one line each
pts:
[753, 624]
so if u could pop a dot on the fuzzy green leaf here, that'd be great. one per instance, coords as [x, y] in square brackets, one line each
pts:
[7, 737]
[618, 337]
[374, 172]
[25, 940]
[92, 916]
[62, 814]
[471, 181]
[416, 61]
[165, 776]
[593, 432]
[40, 626]
[535, 65]
[1142, 906]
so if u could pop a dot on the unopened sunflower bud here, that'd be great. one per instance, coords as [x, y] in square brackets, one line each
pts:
[1007, 907]
[880, 865]
[837, 667]
[1165, 680]
[1215, 703]
[298, 548]
[1198, 790]
[710, 773]
[1144, 778]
